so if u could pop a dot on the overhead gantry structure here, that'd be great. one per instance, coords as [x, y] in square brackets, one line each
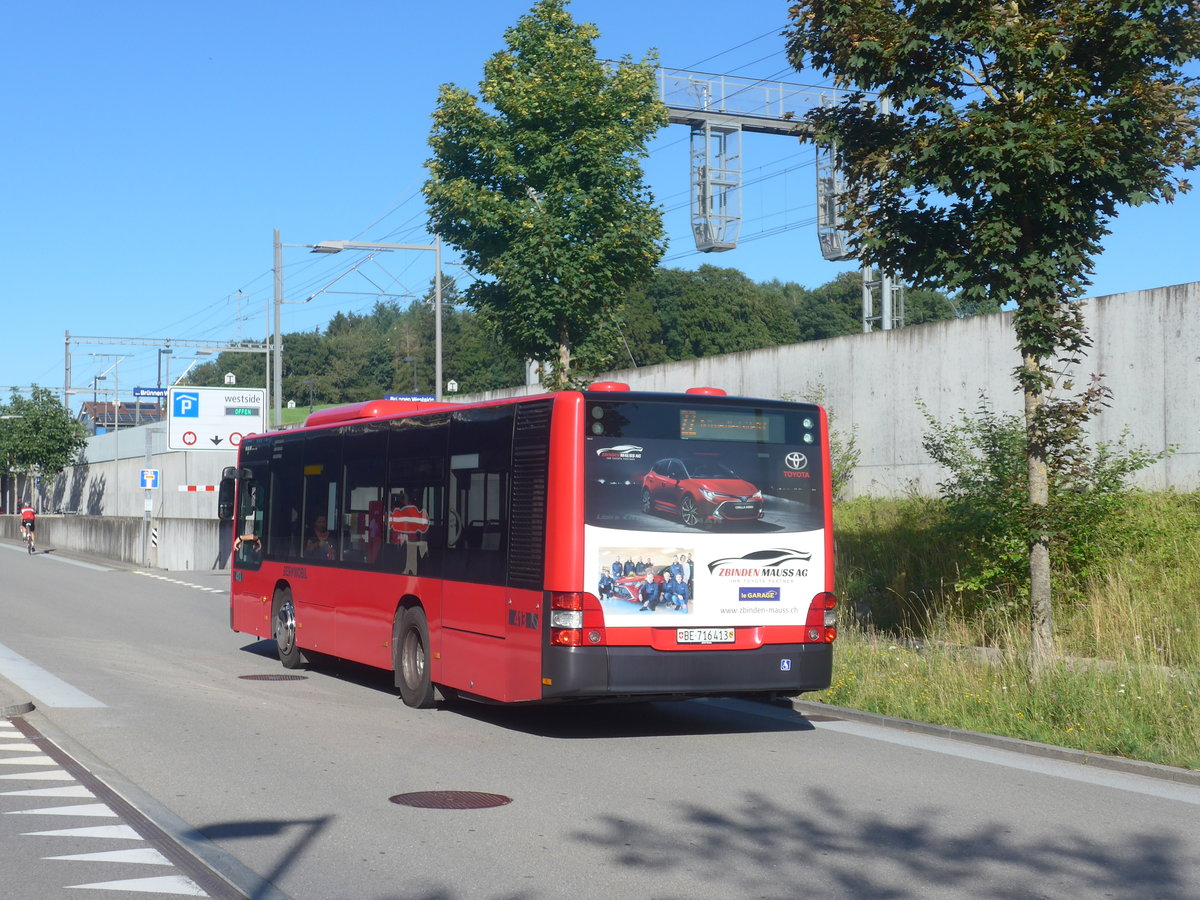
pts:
[718, 109]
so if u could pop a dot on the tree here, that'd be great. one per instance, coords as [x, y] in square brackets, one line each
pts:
[1014, 133]
[38, 435]
[544, 196]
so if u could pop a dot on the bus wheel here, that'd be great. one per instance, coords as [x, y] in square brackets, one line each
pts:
[410, 656]
[283, 628]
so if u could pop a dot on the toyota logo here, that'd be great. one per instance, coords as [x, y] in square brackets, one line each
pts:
[796, 461]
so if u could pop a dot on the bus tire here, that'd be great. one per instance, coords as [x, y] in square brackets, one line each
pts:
[283, 629]
[410, 656]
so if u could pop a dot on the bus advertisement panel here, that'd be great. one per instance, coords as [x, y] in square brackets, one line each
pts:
[704, 516]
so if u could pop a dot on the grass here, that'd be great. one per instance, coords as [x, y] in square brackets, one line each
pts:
[1127, 682]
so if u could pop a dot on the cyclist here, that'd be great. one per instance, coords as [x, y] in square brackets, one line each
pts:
[27, 523]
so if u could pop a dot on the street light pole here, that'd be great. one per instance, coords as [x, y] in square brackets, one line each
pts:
[277, 348]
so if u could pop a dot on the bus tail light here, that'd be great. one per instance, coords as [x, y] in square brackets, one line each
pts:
[566, 621]
[822, 617]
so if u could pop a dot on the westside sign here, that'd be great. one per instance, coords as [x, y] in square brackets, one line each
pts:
[213, 418]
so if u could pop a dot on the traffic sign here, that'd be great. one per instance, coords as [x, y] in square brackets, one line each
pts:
[150, 478]
[213, 418]
[149, 392]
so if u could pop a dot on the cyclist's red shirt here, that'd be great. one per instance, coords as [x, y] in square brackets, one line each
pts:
[27, 514]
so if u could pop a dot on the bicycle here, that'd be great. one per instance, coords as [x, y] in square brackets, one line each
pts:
[27, 537]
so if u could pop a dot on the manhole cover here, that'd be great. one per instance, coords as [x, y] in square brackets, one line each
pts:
[450, 800]
[273, 677]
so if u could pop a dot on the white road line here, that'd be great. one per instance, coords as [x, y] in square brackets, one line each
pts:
[49, 689]
[143, 856]
[27, 761]
[1138, 784]
[27, 746]
[76, 790]
[97, 810]
[116, 832]
[178, 885]
[197, 587]
[44, 775]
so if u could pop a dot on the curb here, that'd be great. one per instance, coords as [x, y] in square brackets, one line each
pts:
[1014, 745]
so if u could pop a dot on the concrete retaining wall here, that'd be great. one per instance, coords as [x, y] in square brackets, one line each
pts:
[184, 544]
[1146, 344]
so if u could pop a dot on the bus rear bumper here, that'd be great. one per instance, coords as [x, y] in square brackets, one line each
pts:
[596, 672]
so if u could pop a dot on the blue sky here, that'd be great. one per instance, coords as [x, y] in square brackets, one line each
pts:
[152, 147]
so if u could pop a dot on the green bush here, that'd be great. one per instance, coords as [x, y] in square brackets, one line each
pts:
[988, 514]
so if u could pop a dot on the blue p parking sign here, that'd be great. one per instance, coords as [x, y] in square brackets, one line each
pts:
[186, 404]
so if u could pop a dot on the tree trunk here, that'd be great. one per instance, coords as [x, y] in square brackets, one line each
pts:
[1041, 612]
[564, 356]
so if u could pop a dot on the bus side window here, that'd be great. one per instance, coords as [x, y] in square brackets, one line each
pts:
[480, 454]
[365, 464]
[322, 523]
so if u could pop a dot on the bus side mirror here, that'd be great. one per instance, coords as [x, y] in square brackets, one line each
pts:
[225, 499]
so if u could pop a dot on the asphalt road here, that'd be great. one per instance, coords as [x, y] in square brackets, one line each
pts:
[283, 786]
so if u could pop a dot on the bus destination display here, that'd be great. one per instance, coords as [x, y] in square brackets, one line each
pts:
[730, 425]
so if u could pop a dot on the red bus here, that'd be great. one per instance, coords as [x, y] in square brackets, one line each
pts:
[582, 545]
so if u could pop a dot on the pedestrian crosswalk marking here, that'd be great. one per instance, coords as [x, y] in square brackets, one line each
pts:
[40, 767]
[142, 856]
[86, 809]
[164, 884]
[27, 761]
[119, 832]
[44, 775]
[77, 790]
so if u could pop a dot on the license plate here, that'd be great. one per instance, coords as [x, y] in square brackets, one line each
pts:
[704, 636]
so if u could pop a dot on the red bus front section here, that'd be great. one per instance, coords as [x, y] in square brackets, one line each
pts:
[589, 545]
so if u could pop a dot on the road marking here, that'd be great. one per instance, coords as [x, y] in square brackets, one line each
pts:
[1138, 784]
[143, 856]
[163, 884]
[98, 810]
[75, 790]
[112, 832]
[49, 689]
[49, 775]
[27, 761]
[86, 785]
[198, 587]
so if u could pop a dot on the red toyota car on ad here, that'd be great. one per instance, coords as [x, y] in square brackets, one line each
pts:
[701, 492]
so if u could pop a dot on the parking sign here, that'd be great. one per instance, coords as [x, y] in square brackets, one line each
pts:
[214, 418]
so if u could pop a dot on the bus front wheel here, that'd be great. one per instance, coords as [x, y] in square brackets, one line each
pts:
[410, 652]
[283, 628]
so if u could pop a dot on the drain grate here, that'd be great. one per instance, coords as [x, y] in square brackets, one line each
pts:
[273, 677]
[450, 800]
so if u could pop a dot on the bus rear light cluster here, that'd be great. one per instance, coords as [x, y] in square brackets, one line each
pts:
[822, 617]
[566, 621]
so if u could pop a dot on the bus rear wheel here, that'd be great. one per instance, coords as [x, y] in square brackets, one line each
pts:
[410, 656]
[283, 629]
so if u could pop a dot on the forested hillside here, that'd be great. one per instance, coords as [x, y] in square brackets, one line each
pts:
[677, 315]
